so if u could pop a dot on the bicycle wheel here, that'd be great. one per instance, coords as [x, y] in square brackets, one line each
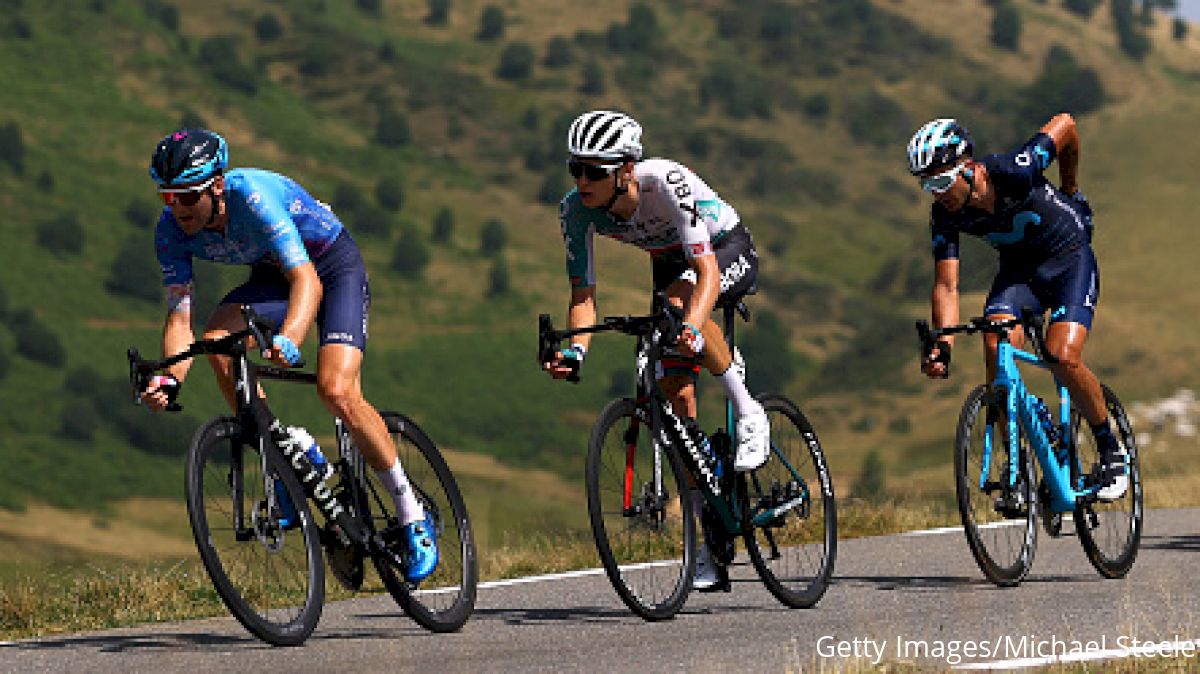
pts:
[794, 542]
[444, 600]
[272, 579]
[644, 532]
[1000, 522]
[1110, 531]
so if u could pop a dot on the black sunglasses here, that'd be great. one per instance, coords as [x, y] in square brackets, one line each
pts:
[592, 172]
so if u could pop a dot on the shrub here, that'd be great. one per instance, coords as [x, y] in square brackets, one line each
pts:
[516, 62]
[12, 147]
[816, 106]
[318, 57]
[20, 28]
[190, 119]
[267, 28]
[492, 238]
[389, 192]
[411, 255]
[78, 421]
[35, 341]
[134, 272]
[141, 213]
[874, 118]
[371, 220]
[558, 53]
[372, 7]
[5, 362]
[554, 186]
[770, 364]
[439, 12]
[593, 79]
[392, 129]
[443, 226]
[491, 23]
[220, 56]
[499, 283]
[61, 235]
[1062, 85]
[871, 484]
[1129, 37]
[1006, 27]
[45, 181]
[1083, 8]
[1179, 28]
[348, 199]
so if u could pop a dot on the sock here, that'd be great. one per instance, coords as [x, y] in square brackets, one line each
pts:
[735, 388]
[1105, 440]
[408, 509]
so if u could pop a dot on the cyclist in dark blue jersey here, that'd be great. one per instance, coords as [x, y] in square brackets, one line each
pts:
[304, 268]
[1043, 235]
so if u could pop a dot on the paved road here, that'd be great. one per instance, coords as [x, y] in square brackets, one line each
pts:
[919, 588]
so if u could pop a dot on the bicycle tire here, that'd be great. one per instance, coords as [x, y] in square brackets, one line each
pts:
[283, 612]
[797, 574]
[444, 601]
[648, 550]
[1120, 519]
[1003, 544]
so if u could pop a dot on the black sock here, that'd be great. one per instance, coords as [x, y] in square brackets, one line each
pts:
[1105, 441]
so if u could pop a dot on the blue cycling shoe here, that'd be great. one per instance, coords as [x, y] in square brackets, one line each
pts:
[288, 517]
[420, 549]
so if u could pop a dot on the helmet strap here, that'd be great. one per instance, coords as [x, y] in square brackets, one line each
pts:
[619, 190]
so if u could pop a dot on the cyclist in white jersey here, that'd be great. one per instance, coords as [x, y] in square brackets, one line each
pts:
[699, 252]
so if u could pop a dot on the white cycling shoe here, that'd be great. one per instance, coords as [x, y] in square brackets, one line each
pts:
[710, 576]
[754, 441]
[1120, 483]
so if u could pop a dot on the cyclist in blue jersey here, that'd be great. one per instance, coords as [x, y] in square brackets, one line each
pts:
[304, 267]
[700, 251]
[1043, 235]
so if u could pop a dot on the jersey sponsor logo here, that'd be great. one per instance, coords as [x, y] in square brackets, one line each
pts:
[709, 209]
[1019, 222]
[1023, 159]
[341, 337]
[734, 272]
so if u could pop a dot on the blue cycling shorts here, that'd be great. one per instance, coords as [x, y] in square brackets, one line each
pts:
[346, 297]
[1067, 284]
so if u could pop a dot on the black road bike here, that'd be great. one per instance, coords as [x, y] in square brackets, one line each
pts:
[642, 456]
[267, 565]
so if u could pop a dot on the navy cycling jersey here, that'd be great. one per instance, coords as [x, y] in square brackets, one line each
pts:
[1033, 221]
[271, 219]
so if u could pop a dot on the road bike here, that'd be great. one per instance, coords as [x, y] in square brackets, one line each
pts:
[1038, 465]
[642, 456]
[265, 563]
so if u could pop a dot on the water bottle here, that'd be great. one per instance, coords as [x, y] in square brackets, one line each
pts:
[1049, 428]
[311, 450]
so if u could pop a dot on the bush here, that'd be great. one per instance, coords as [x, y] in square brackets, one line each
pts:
[499, 283]
[35, 341]
[190, 119]
[141, 213]
[876, 119]
[1062, 85]
[492, 238]
[12, 147]
[20, 28]
[372, 7]
[439, 12]
[1179, 28]
[554, 186]
[1083, 8]
[134, 272]
[816, 106]
[389, 192]
[45, 181]
[348, 199]
[61, 235]
[5, 362]
[371, 220]
[770, 364]
[491, 23]
[740, 92]
[79, 421]
[167, 15]
[516, 62]
[443, 226]
[318, 57]
[219, 54]
[267, 28]
[871, 485]
[593, 79]
[411, 255]
[1006, 27]
[1129, 37]
[558, 53]
[392, 129]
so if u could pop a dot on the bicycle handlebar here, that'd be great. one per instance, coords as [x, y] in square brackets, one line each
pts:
[1033, 321]
[140, 370]
[664, 316]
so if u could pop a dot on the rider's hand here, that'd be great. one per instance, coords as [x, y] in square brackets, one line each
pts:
[566, 362]
[691, 341]
[283, 351]
[936, 363]
[160, 392]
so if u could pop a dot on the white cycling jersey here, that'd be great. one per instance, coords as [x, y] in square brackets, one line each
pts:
[676, 209]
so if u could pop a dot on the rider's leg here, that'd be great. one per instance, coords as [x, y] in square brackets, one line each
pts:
[225, 320]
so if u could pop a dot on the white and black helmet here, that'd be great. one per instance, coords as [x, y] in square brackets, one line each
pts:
[938, 143]
[605, 134]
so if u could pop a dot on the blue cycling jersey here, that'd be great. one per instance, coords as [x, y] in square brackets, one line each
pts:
[1033, 221]
[271, 219]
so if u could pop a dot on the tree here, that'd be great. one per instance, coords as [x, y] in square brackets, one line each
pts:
[389, 192]
[1130, 38]
[439, 12]
[45, 181]
[220, 55]
[12, 147]
[491, 23]
[411, 255]
[871, 485]
[1083, 8]
[1006, 26]
[516, 62]
[1062, 85]
[391, 130]
[554, 185]
[492, 238]
[499, 283]
[443, 226]
[141, 213]
[593, 79]
[372, 7]
[770, 364]
[1179, 28]
[267, 28]
[348, 199]
[559, 53]
[134, 272]
[35, 341]
[62, 234]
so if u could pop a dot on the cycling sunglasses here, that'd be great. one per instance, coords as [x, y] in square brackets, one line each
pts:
[185, 196]
[592, 172]
[940, 182]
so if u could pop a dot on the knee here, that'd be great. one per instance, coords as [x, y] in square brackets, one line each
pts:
[338, 392]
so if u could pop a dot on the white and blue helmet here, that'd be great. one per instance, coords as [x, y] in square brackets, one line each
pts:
[938, 143]
[605, 135]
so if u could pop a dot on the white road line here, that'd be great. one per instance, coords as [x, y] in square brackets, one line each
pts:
[565, 575]
[1186, 648]
[958, 529]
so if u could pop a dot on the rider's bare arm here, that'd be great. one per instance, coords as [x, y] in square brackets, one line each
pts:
[944, 299]
[1061, 129]
[582, 312]
[304, 299]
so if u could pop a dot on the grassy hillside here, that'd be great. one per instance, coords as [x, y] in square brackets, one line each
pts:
[797, 112]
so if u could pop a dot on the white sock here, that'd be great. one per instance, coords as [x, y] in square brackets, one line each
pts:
[408, 509]
[735, 388]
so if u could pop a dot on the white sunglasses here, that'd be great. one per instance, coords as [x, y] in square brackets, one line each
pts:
[940, 182]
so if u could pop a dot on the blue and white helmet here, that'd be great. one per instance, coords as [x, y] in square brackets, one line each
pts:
[938, 143]
[605, 134]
